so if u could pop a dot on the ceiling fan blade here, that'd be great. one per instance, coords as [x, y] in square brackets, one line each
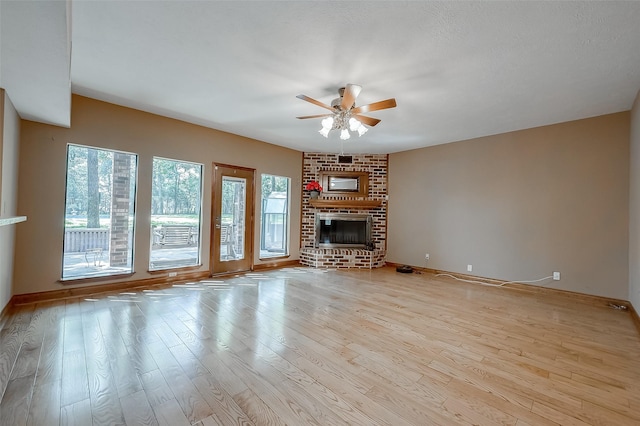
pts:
[369, 121]
[315, 116]
[313, 101]
[351, 92]
[389, 103]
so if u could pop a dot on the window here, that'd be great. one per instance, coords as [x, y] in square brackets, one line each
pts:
[274, 241]
[176, 197]
[99, 212]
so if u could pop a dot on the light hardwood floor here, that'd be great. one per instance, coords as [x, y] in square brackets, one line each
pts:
[302, 346]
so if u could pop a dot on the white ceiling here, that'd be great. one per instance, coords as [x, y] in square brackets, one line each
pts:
[458, 70]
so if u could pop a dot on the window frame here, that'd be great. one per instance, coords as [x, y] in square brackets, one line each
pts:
[286, 217]
[89, 253]
[198, 236]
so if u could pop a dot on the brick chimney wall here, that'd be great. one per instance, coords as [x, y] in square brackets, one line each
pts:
[376, 165]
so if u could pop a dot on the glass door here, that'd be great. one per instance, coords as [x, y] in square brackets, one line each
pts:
[232, 219]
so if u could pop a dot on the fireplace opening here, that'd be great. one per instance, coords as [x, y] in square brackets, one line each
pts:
[343, 230]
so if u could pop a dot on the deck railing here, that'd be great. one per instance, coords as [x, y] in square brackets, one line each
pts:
[82, 239]
[79, 240]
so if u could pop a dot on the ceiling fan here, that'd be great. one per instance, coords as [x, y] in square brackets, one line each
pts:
[345, 115]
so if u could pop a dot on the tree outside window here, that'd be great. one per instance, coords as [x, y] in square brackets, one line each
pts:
[175, 214]
[99, 212]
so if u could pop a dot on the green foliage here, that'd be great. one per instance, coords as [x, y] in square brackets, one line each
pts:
[233, 194]
[188, 220]
[271, 183]
[81, 222]
[78, 193]
[93, 190]
[176, 187]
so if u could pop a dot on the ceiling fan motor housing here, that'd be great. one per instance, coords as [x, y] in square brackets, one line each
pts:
[338, 101]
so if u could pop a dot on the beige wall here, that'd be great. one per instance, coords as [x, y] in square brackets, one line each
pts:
[9, 146]
[517, 206]
[634, 208]
[38, 264]
[520, 205]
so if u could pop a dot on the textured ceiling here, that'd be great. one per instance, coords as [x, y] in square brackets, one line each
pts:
[458, 70]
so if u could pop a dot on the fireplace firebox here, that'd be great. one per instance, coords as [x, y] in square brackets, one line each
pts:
[335, 230]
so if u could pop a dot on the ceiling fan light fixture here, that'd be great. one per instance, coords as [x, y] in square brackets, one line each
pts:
[344, 112]
[327, 123]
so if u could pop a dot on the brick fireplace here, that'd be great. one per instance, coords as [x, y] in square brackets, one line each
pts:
[373, 204]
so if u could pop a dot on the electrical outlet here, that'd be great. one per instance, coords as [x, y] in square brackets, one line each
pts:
[426, 256]
[469, 268]
[173, 274]
[556, 276]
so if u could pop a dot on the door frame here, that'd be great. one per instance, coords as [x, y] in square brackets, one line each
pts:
[214, 244]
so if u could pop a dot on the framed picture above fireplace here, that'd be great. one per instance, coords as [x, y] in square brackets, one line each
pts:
[353, 184]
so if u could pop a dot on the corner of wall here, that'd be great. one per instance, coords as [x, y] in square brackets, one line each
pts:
[9, 143]
[634, 206]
